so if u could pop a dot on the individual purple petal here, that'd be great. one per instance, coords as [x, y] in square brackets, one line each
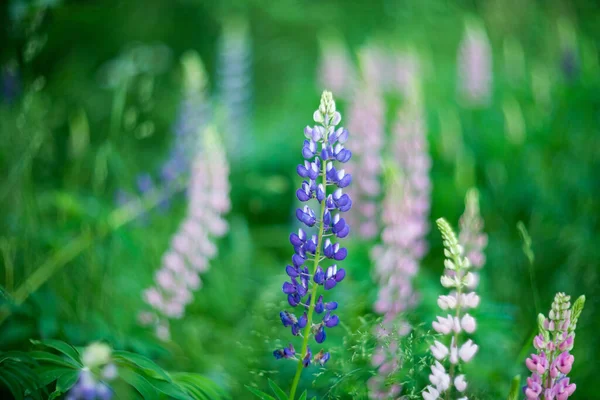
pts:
[332, 321]
[320, 336]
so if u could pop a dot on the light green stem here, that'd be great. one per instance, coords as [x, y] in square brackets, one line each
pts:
[315, 287]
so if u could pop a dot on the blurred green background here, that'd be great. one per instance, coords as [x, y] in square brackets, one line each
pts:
[69, 142]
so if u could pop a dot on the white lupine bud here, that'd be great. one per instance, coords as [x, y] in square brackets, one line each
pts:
[468, 350]
[439, 378]
[431, 393]
[459, 383]
[447, 282]
[438, 350]
[449, 264]
[446, 302]
[468, 323]
[453, 352]
[469, 279]
[337, 118]
[443, 325]
[469, 300]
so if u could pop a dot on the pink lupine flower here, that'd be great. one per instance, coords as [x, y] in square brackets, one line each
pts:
[471, 236]
[553, 361]
[367, 119]
[192, 245]
[475, 66]
[404, 216]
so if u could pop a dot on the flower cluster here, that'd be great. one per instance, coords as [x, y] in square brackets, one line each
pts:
[192, 246]
[471, 236]
[97, 372]
[367, 118]
[404, 217]
[234, 85]
[325, 183]
[553, 361]
[475, 66]
[457, 277]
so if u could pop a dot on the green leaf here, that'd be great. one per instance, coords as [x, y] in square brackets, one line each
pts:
[49, 374]
[259, 394]
[147, 365]
[45, 357]
[66, 381]
[26, 377]
[515, 388]
[169, 388]
[198, 386]
[277, 390]
[12, 383]
[304, 395]
[140, 384]
[64, 348]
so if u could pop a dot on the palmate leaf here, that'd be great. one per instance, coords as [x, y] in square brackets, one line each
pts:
[18, 376]
[149, 367]
[259, 394]
[277, 390]
[198, 386]
[64, 348]
[140, 383]
[44, 357]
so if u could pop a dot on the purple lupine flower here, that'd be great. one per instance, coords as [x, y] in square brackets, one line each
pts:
[458, 277]
[192, 246]
[97, 373]
[405, 224]
[475, 66]
[367, 119]
[336, 70]
[323, 151]
[471, 236]
[234, 86]
[553, 361]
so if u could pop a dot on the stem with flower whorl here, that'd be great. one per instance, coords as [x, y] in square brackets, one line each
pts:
[315, 288]
[317, 164]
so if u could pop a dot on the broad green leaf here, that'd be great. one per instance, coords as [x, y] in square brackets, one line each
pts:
[259, 394]
[515, 388]
[27, 378]
[45, 357]
[12, 383]
[140, 384]
[303, 397]
[169, 388]
[141, 362]
[67, 380]
[198, 386]
[63, 348]
[277, 390]
[49, 374]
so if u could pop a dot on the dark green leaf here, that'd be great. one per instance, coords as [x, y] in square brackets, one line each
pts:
[64, 348]
[303, 397]
[67, 380]
[45, 357]
[49, 374]
[147, 365]
[140, 383]
[259, 394]
[198, 386]
[277, 390]
[12, 383]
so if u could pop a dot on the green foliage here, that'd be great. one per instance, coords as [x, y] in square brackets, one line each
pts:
[515, 388]
[18, 374]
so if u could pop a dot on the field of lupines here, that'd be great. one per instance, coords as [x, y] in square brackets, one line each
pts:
[299, 199]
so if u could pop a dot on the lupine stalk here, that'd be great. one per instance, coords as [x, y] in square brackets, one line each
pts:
[405, 224]
[458, 277]
[475, 66]
[336, 70]
[553, 361]
[193, 245]
[311, 250]
[471, 236]
[367, 119]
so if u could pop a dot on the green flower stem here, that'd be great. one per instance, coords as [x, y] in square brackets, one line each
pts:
[315, 287]
[457, 314]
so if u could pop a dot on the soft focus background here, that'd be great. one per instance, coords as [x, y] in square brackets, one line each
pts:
[94, 93]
